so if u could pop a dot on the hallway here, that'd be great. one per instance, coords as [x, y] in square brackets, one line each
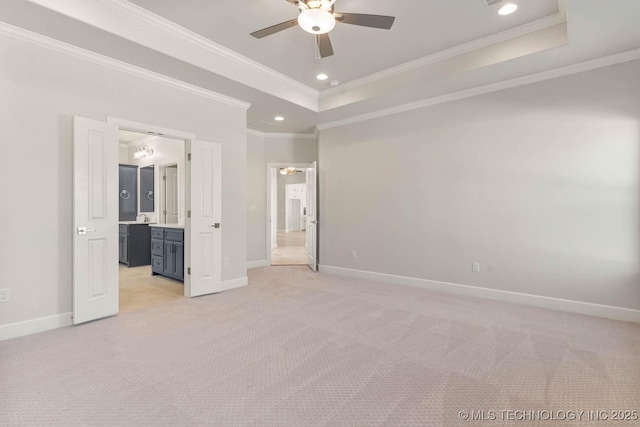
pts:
[291, 249]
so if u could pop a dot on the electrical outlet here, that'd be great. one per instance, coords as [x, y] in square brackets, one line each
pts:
[354, 254]
[226, 262]
[475, 267]
[5, 295]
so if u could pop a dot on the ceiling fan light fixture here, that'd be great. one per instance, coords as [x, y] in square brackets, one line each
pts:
[288, 171]
[508, 9]
[316, 21]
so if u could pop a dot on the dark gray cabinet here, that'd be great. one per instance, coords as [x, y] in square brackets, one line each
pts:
[128, 196]
[134, 244]
[167, 252]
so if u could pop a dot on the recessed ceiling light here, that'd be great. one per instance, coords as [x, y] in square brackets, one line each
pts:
[278, 118]
[508, 9]
[322, 76]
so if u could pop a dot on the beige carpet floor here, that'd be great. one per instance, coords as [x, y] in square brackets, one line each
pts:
[296, 348]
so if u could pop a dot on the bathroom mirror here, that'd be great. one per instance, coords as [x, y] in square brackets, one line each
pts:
[146, 189]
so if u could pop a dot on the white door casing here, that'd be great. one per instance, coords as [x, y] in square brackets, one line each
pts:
[95, 220]
[312, 216]
[205, 203]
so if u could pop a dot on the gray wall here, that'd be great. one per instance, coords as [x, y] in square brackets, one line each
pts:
[540, 184]
[283, 181]
[41, 91]
[260, 151]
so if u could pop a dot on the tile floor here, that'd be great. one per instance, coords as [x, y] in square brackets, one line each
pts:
[139, 289]
[290, 250]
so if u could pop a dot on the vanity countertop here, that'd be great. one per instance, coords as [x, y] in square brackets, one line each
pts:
[168, 225]
[134, 222]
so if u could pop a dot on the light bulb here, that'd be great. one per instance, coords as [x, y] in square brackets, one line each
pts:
[508, 9]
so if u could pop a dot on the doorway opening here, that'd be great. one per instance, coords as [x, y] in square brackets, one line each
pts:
[290, 199]
[291, 215]
[151, 201]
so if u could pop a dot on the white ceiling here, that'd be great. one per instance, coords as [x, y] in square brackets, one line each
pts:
[437, 50]
[421, 28]
[131, 138]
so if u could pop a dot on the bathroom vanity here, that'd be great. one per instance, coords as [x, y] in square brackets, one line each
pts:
[167, 250]
[134, 241]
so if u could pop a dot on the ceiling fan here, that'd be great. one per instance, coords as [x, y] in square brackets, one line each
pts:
[318, 17]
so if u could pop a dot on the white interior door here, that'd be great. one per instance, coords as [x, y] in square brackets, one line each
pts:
[274, 210]
[312, 217]
[95, 220]
[205, 234]
[171, 194]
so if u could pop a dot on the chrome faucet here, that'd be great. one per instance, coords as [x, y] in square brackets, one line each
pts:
[145, 218]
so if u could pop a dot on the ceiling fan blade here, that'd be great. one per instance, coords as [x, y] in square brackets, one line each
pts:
[364, 20]
[324, 44]
[274, 29]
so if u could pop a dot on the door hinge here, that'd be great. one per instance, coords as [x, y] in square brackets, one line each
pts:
[164, 213]
[189, 156]
[188, 270]
[188, 214]
[164, 177]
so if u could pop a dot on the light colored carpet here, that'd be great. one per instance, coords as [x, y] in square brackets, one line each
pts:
[297, 348]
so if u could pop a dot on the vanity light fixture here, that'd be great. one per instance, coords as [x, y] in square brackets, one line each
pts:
[143, 152]
[508, 9]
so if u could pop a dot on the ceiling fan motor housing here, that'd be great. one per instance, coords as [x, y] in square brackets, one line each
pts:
[319, 4]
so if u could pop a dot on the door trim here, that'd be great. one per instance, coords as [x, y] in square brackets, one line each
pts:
[150, 129]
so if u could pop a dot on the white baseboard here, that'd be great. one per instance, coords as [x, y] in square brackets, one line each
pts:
[235, 283]
[256, 264]
[571, 306]
[33, 326]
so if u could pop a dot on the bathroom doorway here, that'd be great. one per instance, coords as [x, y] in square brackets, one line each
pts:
[151, 164]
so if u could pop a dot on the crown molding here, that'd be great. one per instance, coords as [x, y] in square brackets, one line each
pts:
[114, 64]
[195, 38]
[528, 28]
[270, 135]
[606, 61]
[562, 8]
[147, 29]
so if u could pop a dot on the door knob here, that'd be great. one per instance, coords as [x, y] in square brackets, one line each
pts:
[84, 230]
[216, 225]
